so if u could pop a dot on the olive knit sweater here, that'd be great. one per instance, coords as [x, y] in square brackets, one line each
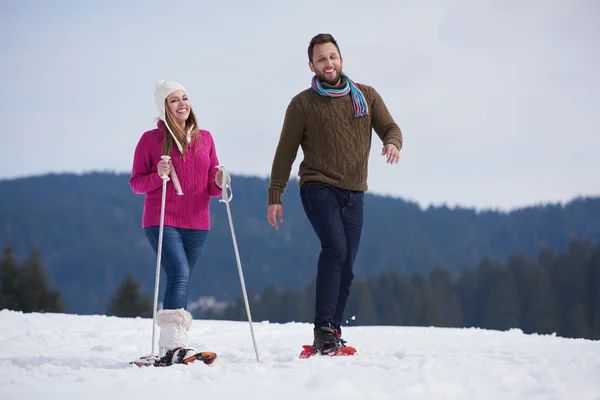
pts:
[336, 145]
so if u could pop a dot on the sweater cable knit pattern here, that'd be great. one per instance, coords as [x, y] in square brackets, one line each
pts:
[196, 174]
[335, 144]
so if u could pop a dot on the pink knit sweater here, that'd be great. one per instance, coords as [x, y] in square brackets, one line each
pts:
[196, 175]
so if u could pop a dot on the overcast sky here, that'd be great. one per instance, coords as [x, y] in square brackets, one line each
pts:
[498, 101]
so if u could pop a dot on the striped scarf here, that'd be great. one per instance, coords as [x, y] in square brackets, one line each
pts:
[358, 99]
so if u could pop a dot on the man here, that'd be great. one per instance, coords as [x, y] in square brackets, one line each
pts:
[332, 121]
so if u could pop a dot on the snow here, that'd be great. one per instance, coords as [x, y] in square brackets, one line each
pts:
[61, 356]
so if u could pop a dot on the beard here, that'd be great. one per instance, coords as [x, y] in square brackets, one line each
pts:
[331, 81]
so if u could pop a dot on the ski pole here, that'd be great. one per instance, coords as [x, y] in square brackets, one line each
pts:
[165, 179]
[225, 198]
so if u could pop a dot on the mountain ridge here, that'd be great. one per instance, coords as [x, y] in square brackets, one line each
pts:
[87, 228]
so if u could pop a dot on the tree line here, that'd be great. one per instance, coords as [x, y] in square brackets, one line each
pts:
[101, 238]
[555, 293]
[24, 286]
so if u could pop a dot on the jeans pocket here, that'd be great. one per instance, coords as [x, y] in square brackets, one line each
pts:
[316, 187]
[314, 192]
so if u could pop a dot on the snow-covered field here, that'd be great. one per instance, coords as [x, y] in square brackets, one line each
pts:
[55, 356]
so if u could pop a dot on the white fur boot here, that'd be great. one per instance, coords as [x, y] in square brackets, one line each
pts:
[174, 326]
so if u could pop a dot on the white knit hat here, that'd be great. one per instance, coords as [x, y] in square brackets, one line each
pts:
[164, 89]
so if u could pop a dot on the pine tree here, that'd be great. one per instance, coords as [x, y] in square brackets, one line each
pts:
[501, 299]
[523, 273]
[407, 294]
[594, 294]
[35, 295]
[440, 281]
[129, 301]
[271, 301]
[388, 300]
[425, 307]
[467, 290]
[572, 270]
[293, 306]
[543, 303]
[32, 284]
[9, 281]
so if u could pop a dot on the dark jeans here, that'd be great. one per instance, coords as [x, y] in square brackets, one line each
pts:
[181, 253]
[336, 216]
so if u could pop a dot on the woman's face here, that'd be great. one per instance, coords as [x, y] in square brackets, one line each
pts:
[178, 106]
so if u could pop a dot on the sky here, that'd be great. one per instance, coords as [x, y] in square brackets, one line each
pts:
[498, 101]
[54, 356]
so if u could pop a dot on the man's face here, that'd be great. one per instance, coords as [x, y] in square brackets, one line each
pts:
[327, 63]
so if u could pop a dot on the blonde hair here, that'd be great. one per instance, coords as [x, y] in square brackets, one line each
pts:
[191, 125]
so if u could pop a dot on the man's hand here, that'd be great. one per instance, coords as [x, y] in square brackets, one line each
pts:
[272, 212]
[392, 153]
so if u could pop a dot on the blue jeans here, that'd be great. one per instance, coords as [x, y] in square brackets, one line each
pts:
[181, 253]
[336, 216]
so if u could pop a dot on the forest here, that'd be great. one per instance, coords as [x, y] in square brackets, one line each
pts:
[553, 294]
[86, 230]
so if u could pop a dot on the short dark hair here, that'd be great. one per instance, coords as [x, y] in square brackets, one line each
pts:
[321, 38]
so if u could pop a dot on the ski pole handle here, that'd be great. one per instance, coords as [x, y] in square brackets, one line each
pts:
[165, 177]
[226, 184]
[174, 177]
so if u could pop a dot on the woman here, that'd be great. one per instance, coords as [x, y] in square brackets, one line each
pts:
[194, 179]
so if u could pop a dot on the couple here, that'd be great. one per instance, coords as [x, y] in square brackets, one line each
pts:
[332, 122]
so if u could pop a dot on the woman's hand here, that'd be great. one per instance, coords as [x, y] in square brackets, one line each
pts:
[219, 179]
[164, 168]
